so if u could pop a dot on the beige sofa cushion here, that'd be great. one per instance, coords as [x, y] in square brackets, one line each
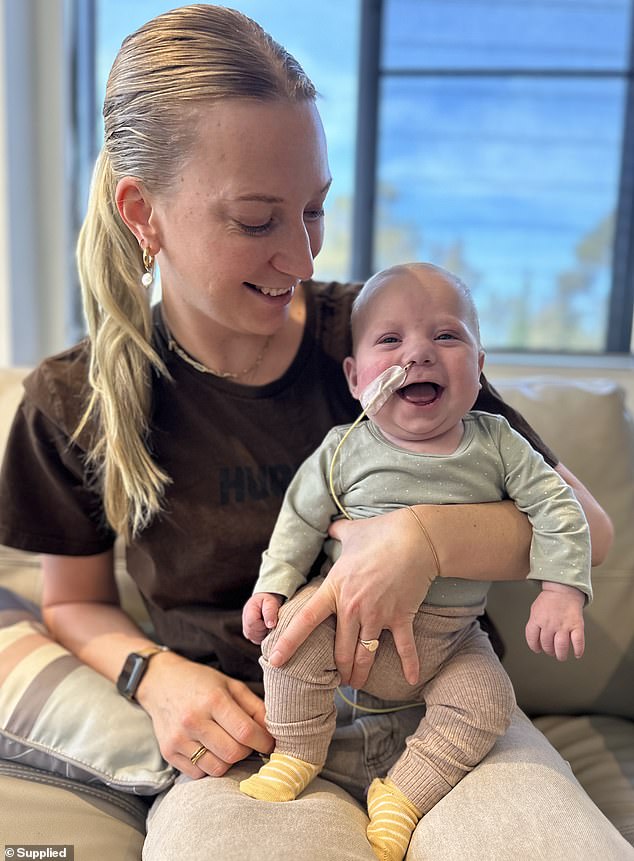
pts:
[587, 425]
[600, 750]
[42, 809]
[19, 571]
[10, 396]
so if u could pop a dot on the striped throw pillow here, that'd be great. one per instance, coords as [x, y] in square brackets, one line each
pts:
[60, 715]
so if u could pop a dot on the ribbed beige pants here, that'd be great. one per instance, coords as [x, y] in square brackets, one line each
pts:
[468, 697]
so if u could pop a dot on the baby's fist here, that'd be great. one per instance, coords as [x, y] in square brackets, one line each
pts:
[260, 615]
[556, 621]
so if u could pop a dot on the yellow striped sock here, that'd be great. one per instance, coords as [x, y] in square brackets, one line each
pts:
[393, 818]
[282, 778]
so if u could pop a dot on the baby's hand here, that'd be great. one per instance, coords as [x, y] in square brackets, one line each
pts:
[556, 621]
[260, 615]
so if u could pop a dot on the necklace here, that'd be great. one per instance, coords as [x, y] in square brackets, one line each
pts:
[204, 369]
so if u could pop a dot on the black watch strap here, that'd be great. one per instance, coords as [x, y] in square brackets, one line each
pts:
[134, 669]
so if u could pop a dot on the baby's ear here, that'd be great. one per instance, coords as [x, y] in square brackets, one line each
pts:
[350, 370]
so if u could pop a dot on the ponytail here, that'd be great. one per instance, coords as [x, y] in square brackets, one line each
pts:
[164, 72]
[122, 361]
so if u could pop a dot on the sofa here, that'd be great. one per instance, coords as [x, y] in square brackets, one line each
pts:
[585, 708]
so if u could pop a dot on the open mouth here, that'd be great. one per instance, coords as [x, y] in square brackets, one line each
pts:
[421, 393]
[270, 291]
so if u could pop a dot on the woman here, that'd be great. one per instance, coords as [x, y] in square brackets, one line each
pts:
[180, 427]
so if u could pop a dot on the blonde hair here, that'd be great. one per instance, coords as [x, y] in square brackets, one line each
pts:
[163, 74]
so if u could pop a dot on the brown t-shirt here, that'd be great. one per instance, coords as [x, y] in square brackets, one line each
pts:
[230, 451]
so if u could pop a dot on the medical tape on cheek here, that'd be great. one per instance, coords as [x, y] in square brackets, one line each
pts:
[377, 393]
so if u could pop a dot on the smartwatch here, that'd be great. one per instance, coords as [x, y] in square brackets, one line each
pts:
[134, 669]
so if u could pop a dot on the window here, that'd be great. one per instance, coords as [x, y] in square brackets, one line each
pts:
[502, 154]
[494, 137]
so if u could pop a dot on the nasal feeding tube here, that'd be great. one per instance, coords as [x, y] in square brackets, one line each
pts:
[375, 395]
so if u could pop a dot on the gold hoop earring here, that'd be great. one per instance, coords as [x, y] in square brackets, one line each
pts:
[148, 264]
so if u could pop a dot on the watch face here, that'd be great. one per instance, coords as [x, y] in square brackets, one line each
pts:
[131, 674]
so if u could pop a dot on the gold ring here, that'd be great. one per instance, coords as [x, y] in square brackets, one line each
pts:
[200, 751]
[370, 645]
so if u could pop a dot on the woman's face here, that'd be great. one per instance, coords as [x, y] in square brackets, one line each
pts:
[244, 219]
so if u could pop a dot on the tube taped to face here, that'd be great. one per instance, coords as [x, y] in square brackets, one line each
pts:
[377, 393]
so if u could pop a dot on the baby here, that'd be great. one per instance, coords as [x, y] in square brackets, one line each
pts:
[416, 325]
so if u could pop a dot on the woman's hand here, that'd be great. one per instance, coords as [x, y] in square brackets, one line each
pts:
[190, 704]
[193, 705]
[378, 583]
[386, 568]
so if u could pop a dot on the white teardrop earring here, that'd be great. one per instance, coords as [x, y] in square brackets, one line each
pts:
[148, 264]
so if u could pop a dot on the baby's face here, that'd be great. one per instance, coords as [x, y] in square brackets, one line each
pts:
[421, 318]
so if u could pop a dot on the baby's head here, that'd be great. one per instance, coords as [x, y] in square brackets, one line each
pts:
[429, 277]
[420, 314]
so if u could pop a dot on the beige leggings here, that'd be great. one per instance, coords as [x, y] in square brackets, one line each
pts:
[468, 696]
